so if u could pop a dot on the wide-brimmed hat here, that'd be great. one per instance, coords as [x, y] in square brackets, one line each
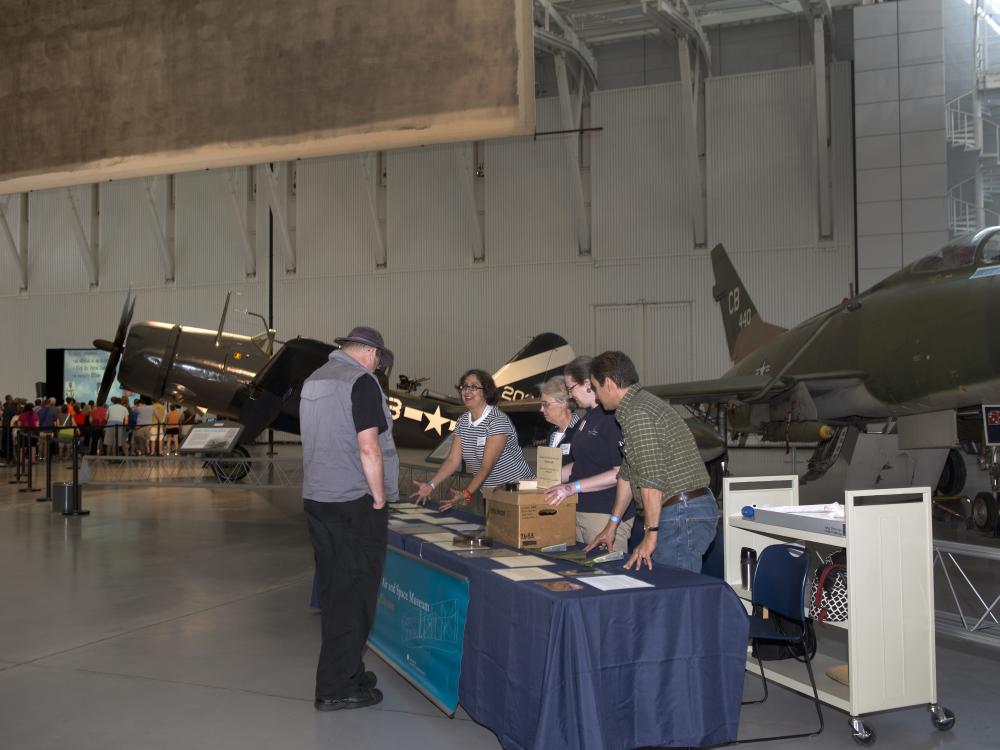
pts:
[369, 337]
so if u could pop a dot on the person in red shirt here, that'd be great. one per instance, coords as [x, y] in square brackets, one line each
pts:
[98, 421]
[29, 423]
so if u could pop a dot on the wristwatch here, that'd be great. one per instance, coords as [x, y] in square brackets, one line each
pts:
[652, 528]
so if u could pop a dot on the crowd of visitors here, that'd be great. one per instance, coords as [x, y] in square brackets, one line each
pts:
[120, 428]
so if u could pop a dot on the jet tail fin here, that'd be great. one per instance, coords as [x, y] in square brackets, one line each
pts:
[544, 356]
[746, 331]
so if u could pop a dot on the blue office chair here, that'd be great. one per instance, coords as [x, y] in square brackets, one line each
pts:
[713, 561]
[779, 586]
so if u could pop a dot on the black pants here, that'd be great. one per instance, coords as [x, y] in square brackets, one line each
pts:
[349, 540]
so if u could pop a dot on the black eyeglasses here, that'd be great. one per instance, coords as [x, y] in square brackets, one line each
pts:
[469, 387]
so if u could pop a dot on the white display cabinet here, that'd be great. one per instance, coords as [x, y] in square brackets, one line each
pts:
[890, 631]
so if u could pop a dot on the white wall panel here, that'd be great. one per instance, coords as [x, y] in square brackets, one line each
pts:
[761, 160]
[668, 342]
[529, 210]
[11, 206]
[128, 254]
[54, 262]
[207, 233]
[335, 229]
[425, 225]
[640, 203]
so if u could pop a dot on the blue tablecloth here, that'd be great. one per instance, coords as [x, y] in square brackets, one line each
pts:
[593, 670]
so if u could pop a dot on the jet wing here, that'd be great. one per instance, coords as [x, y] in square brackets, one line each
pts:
[735, 388]
[754, 388]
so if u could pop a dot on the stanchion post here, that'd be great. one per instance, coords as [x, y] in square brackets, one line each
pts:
[49, 444]
[18, 458]
[76, 509]
[29, 468]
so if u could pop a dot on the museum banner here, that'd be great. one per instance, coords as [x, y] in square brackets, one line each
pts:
[420, 625]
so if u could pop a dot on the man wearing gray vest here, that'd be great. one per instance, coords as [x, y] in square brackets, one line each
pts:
[351, 470]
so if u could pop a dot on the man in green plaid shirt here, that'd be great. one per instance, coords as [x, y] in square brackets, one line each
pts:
[661, 468]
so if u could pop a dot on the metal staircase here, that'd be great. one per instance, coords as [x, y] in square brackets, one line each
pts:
[967, 128]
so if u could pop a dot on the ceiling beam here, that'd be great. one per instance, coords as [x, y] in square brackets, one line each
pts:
[567, 40]
[676, 18]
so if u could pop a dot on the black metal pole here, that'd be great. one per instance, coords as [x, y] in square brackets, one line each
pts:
[30, 466]
[77, 509]
[270, 301]
[49, 440]
[18, 457]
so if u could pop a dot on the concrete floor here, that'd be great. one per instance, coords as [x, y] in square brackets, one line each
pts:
[178, 618]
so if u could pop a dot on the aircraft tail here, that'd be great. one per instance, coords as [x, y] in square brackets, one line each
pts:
[746, 331]
[544, 356]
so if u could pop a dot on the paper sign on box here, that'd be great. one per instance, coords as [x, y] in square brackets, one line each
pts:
[549, 467]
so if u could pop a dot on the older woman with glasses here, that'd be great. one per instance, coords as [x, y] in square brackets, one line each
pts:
[485, 439]
[555, 406]
[595, 457]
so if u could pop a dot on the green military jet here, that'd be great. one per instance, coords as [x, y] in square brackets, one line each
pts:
[920, 342]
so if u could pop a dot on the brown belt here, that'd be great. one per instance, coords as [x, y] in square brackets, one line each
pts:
[689, 495]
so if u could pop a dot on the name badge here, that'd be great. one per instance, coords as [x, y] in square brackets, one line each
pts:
[565, 449]
[481, 442]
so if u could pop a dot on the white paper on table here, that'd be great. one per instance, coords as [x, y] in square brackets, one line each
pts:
[404, 505]
[526, 574]
[411, 529]
[615, 583]
[834, 510]
[465, 526]
[410, 515]
[439, 520]
[524, 561]
[440, 536]
[395, 523]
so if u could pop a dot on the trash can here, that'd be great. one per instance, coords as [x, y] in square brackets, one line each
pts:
[62, 497]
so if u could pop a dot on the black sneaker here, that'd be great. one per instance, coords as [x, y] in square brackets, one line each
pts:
[361, 698]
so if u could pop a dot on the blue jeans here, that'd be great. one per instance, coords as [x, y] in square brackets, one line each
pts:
[686, 530]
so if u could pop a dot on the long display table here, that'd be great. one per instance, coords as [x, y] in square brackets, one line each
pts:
[598, 670]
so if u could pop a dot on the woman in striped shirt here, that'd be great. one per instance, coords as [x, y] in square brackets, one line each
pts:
[485, 439]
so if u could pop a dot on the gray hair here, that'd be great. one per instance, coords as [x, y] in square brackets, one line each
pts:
[555, 388]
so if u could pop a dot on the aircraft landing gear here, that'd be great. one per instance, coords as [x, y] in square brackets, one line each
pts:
[985, 510]
[232, 468]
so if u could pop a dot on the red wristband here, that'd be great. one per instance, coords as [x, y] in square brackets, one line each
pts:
[467, 495]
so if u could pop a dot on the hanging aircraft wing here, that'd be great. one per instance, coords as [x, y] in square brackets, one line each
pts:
[754, 388]
[734, 388]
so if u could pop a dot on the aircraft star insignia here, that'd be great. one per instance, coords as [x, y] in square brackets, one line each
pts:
[435, 421]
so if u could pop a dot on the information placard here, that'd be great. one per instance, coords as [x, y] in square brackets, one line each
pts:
[217, 438]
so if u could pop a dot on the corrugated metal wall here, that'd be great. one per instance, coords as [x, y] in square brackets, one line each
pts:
[761, 160]
[440, 311]
[641, 200]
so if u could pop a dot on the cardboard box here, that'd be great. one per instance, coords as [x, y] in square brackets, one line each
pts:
[523, 519]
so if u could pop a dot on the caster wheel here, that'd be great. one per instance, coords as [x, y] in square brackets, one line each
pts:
[863, 735]
[867, 739]
[943, 718]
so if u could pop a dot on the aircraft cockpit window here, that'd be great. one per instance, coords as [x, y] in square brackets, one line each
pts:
[951, 256]
[991, 250]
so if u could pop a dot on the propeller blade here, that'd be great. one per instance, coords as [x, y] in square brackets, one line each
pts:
[109, 376]
[116, 348]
